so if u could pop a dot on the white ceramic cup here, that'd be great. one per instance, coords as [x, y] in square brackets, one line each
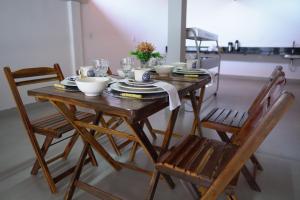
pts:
[141, 75]
[83, 70]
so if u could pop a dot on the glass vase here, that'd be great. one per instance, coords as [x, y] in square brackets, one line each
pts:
[144, 64]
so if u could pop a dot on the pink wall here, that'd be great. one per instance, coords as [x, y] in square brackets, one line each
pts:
[113, 28]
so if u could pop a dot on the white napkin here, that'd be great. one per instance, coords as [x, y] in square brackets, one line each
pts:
[174, 100]
[212, 75]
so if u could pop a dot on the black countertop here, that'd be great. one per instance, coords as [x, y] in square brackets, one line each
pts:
[249, 50]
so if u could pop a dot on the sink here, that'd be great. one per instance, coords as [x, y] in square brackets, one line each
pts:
[291, 56]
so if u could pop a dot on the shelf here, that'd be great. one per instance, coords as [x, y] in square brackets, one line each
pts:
[200, 35]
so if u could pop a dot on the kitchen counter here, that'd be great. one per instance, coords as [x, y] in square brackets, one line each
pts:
[249, 50]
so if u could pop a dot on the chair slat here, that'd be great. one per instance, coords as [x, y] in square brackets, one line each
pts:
[223, 116]
[179, 148]
[210, 114]
[243, 120]
[31, 72]
[216, 114]
[237, 119]
[56, 123]
[210, 169]
[40, 80]
[181, 160]
[192, 163]
[230, 117]
[49, 119]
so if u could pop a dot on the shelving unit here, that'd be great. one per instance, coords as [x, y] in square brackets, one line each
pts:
[206, 61]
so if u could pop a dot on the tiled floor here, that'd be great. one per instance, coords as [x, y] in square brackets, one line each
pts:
[279, 154]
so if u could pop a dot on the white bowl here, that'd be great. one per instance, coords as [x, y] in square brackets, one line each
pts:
[92, 86]
[163, 70]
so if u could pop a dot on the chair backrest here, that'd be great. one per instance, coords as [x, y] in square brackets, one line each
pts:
[277, 78]
[257, 129]
[29, 76]
[272, 90]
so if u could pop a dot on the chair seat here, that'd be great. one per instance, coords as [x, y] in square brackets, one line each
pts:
[56, 124]
[199, 159]
[226, 120]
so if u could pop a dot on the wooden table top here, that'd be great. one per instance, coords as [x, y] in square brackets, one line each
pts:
[132, 109]
[178, 77]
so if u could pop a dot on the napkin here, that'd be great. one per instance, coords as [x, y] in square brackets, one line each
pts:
[174, 100]
[212, 75]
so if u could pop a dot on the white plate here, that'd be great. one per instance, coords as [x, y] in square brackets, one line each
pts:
[137, 83]
[116, 87]
[124, 85]
[69, 81]
[192, 71]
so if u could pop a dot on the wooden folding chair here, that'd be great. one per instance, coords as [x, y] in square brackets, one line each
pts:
[51, 126]
[228, 120]
[214, 165]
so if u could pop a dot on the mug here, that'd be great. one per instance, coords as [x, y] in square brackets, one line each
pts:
[85, 71]
[141, 75]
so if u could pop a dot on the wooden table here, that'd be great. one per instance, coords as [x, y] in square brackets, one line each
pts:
[133, 112]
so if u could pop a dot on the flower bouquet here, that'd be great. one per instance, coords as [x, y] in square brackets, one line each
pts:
[144, 51]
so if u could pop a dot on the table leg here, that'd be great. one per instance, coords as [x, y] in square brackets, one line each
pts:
[86, 136]
[72, 186]
[149, 126]
[196, 109]
[169, 131]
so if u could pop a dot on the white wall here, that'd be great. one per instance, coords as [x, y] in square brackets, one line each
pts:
[255, 23]
[33, 33]
[111, 29]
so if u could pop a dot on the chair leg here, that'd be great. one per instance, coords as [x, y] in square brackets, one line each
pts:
[42, 162]
[70, 145]
[92, 156]
[231, 197]
[202, 190]
[253, 158]
[250, 179]
[256, 162]
[192, 189]
[47, 142]
[153, 185]
[169, 180]
[223, 136]
[114, 145]
[133, 151]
